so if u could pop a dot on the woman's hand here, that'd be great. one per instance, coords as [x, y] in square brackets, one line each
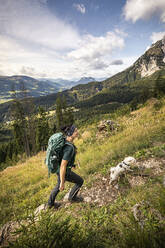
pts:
[62, 186]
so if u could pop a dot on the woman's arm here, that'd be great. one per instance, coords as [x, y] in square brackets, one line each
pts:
[62, 173]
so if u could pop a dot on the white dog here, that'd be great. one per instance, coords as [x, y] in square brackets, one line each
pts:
[120, 168]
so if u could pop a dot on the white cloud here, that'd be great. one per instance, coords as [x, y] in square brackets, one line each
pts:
[80, 8]
[92, 47]
[33, 37]
[31, 22]
[157, 36]
[95, 53]
[144, 9]
[121, 32]
[36, 43]
[31, 71]
[11, 49]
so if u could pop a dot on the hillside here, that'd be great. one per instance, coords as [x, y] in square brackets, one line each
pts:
[67, 84]
[23, 85]
[144, 68]
[131, 215]
[123, 87]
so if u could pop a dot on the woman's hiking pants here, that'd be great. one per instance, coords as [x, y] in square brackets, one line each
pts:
[72, 177]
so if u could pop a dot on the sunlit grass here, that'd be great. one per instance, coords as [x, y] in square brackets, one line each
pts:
[22, 184]
[139, 130]
[25, 186]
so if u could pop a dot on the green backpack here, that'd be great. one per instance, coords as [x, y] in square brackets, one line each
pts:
[53, 154]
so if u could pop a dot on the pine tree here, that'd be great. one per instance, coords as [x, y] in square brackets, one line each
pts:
[160, 87]
[64, 114]
[18, 140]
[31, 123]
[59, 114]
[20, 126]
[68, 118]
[42, 131]
[20, 120]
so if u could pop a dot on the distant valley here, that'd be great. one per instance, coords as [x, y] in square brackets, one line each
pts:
[23, 86]
[136, 83]
[67, 84]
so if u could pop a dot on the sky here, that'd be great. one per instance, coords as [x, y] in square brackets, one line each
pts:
[71, 39]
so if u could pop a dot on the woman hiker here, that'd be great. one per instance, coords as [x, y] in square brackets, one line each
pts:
[65, 173]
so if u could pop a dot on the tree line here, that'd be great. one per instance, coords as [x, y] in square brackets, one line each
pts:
[31, 129]
[134, 93]
[32, 126]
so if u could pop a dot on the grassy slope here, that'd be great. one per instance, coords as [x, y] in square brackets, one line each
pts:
[26, 186]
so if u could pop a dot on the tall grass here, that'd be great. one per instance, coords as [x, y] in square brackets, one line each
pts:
[138, 130]
[22, 187]
[26, 186]
[109, 226]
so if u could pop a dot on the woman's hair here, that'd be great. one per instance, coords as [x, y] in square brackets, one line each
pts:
[68, 130]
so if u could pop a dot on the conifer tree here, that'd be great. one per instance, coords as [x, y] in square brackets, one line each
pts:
[160, 87]
[20, 126]
[42, 131]
[68, 118]
[20, 123]
[59, 114]
[31, 123]
[64, 114]
[18, 140]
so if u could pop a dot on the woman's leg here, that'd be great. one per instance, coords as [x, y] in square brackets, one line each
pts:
[54, 193]
[74, 178]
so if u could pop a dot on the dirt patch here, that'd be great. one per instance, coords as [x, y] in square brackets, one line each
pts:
[155, 166]
[102, 193]
[136, 181]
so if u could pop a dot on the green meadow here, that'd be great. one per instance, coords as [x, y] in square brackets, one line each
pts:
[24, 187]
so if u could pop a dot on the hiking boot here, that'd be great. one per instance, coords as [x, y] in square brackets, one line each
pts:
[77, 199]
[48, 206]
[57, 205]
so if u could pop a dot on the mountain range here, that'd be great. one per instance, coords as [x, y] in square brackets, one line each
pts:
[21, 86]
[144, 72]
[122, 87]
[67, 84]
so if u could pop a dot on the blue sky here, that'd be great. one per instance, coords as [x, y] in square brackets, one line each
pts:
[71, 39]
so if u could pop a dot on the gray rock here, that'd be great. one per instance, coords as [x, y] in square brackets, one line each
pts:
[40, 208]
[87, 199]
[164, 181]
[97, 200]
[6, 233]
[66, 197]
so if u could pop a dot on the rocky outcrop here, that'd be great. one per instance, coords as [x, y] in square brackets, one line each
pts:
[107, 125]
[148, 69]
[142, 209]
[152, 60]
[8, 233]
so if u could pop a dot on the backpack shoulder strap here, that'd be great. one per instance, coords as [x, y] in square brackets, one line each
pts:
[68, 143]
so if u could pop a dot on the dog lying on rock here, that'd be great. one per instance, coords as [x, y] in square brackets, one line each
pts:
[122, 167]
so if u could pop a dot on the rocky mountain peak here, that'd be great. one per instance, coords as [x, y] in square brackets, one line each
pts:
[85, 80]
[152, 60]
